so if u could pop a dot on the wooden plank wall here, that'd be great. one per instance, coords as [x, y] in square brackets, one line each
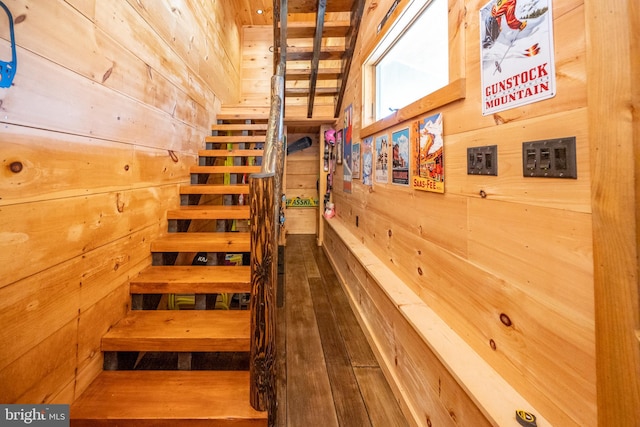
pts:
[302, 181]
[524, 250]
[110, 103]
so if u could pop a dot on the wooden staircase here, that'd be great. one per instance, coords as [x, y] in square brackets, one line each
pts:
[209, 212]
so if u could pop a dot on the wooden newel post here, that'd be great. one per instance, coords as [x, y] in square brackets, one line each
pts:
[262, 304]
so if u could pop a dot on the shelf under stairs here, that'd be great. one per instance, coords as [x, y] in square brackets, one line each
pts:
[206, 222]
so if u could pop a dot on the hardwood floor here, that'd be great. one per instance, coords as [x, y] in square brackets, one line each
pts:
[328, 375]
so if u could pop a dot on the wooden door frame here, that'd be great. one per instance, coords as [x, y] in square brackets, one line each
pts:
[613, 103]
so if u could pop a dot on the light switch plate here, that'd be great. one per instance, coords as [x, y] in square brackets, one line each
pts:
[550, 158]
[482, 160]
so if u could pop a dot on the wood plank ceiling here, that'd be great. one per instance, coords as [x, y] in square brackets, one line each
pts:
[316, 39]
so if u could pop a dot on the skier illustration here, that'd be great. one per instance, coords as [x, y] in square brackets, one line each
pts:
[507, 8]
[493, 22]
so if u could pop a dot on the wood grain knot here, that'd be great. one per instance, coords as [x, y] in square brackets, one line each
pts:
[390, 233]
[16, 167]
[173, 156]
[483, 194]
[492, 344]
[428, 422]
[420, 271]
[506, 321]
[126, 167]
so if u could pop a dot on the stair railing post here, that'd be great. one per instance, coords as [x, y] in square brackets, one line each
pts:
[263, 287]
[265, 191]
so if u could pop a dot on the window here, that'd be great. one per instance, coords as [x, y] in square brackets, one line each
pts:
[415, 64]
[417, 61]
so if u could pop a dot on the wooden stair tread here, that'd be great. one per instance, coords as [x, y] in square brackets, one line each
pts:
[303, 91]
[237, 139]
[307, 29]
[238, 126]
[225, 169]
[231, 153]
[305, 74]
[209, 212]
[215, 189]
[198, 279]
[243, 112]
[167, 398]
[180, 330]
[306, 53]
[202, 242]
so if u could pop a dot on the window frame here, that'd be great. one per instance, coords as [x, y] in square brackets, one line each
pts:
[453, 91]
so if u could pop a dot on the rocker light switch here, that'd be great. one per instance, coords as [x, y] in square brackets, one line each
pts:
[482, 160]
[550, 158]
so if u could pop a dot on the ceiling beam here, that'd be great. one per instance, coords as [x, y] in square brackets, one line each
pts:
[350, 44]
[315, 61]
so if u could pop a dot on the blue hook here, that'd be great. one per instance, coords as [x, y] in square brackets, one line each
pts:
[8, 69]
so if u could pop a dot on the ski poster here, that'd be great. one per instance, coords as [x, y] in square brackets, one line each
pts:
[355, 160]
[339, 147]
[382, 153]
[347, 165]
[400, 157]
[427, 152]
[517, 62]
[367, 161]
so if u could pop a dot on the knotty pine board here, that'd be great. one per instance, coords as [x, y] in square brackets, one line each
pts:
[133, 31]
[34, 237]
[44, 302]
[92, 52]
[41, 100]
[93, 322]
[38, 373]
[56, 165]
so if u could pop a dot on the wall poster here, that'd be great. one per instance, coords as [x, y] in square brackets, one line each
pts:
[347, 165]
[339, 147]
[427, 152]
[355, 160]
[367, 161]
[518, 67]
[400, 157]
[382, 159]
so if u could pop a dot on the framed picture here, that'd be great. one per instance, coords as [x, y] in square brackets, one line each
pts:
[400, 157]
[347, 164]
[339, 146]
[367, 161]
[382, 159]
[355, 160]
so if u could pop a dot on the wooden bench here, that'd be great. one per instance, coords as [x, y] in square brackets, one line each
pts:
[496, 399]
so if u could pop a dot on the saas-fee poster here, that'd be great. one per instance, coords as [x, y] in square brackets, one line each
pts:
[427, 152]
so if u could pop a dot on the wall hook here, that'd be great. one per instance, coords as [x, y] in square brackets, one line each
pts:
[8, 68]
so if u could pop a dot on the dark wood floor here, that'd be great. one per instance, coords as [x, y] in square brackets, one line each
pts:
[328, 373]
